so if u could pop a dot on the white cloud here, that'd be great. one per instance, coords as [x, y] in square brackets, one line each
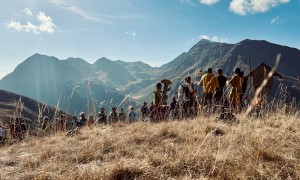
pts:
[46, 25]
[275, 20]
[243, 7]
[27, 11]
[133, 34]
[214, 38]
[208, 2]
[204, 37]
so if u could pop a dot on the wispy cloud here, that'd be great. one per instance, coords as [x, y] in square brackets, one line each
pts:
[214, 38]
[244, 7]
[46, 25]
[27, 11]
[66, 5]
[208, 2]
[190, 2]
[69, 6]
[275, 20]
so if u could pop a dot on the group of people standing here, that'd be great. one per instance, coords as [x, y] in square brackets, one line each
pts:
[63, 124]
[17, 129]
[213, 94]
[213, 88]
[186, 105]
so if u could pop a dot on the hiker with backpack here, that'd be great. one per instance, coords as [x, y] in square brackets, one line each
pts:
[210, 83]
[189, 97]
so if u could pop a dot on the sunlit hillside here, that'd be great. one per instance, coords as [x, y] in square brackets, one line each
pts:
[201, 148]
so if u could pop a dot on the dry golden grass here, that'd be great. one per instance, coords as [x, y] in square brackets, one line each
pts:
[202, 148]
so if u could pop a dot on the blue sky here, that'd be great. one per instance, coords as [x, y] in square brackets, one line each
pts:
[152, 31]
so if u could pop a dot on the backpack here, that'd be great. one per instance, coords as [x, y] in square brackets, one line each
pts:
[186, 91]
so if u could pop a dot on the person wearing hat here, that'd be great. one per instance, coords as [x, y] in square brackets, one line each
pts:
[236, 83]
[210, 83]
[222, 83]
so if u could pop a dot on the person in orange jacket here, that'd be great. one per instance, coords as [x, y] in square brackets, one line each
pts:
[236, 83]
[210, 83]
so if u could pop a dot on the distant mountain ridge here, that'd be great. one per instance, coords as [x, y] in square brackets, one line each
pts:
[206, 54]
[16, 106]
[74, 83]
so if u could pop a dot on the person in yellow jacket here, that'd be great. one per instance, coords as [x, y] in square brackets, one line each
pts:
[210, 83]
[236, 82]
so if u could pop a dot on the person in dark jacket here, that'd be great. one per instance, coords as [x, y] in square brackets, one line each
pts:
[102, 117]
[219, 98]
[122, 115]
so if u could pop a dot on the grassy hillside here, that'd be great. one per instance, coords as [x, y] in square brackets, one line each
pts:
[200, 148]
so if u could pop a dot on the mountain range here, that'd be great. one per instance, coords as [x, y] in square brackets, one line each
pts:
[75, 85]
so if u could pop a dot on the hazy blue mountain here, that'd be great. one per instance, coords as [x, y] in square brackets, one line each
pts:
[112, 72]
[53, 81]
